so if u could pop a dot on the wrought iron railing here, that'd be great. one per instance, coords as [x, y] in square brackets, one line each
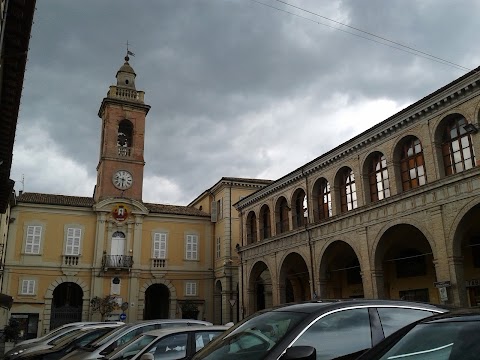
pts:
[124, 151]
[117, 262]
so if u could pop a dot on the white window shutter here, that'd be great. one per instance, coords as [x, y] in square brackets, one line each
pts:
[213, 216]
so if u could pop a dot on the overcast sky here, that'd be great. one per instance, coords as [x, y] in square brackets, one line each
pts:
[236, 88]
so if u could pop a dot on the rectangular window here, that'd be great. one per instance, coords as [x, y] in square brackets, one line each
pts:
[219, 209]
[191, 289]
[28, 287]
[32, 244]
[218, 248]
[191, 252]
[160, 246]
[73, 241]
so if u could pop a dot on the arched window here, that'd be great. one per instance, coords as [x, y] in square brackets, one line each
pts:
[378, 178]
[348, 191]
[412, 164]
[457, 148]
[251, 228]
[265, 229]
[300, 211]
[281, 216]
[124, 137]
[324, 199]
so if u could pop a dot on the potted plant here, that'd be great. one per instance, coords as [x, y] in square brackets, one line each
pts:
[189, 310]
[11, 332]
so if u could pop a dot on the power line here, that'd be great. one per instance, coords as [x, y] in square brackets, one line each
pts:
[385, 41]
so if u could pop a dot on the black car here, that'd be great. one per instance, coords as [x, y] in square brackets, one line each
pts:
[451, 336]
[327, 329]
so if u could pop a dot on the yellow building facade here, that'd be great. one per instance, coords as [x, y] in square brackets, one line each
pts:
[158, 261]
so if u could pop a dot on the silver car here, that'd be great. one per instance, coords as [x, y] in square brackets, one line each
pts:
[47, 342]
[108, 343]
[178, 343]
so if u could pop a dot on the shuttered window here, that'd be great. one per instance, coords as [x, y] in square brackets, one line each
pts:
[160, 246]
[191, 252]
[191, 289]
[28, 287]
[72, 246]
[34, 237]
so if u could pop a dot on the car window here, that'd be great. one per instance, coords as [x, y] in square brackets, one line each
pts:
[338, 334]
[438, 341]
[253, 338]
[202, 338]
[169, 347]
[131, 349]
[393, 319]
[134, 332]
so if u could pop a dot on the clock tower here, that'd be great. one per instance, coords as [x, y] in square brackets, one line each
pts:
[123, 112]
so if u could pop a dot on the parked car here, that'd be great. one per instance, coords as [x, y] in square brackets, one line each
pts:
[450, 336]
[50, 342]
[171, 343]
[61, 328]
[108, 343]
[324, 330]
[62, 347]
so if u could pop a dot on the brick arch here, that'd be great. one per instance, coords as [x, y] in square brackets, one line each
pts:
[171, 289]
[47, 310]
[373, 251]
[320, 255]
[453, 244]
[393, 151]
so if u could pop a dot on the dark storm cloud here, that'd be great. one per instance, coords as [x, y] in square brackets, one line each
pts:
[233, 84]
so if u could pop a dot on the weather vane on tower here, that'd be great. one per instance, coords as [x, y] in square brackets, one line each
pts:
[128, 53]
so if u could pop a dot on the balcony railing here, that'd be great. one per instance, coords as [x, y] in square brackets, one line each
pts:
[159, 263]
[124, 151]
[125, 94]
[71, 260]
[117, 262]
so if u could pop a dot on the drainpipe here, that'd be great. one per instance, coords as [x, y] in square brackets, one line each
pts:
[309, 241]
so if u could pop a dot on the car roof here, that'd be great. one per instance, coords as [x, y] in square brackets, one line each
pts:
[173, 330]
[166, 321]
[324, 305]
[456, 315]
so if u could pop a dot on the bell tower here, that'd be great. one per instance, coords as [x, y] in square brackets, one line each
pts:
[123, 113]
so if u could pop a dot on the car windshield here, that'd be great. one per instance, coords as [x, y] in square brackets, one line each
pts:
[453, 340]
[131, 348]
[67, 333]
[108, 336]
[254, 338]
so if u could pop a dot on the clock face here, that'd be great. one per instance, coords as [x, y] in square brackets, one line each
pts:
[122, 179]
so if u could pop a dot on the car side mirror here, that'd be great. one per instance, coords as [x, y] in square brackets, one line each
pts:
[300, 353]
[147, 356]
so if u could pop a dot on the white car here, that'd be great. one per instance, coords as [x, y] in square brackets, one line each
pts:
[172, 343]
[111, 341]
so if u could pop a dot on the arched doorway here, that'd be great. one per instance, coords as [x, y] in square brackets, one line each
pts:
[340, 273]
[157, 302]
[66, 304]
[467, 253]
[405, 259]
[294, 279]
[259, 288]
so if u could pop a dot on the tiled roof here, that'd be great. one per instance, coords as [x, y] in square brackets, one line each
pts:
[175, 209]
[64, 200]
[51, 199]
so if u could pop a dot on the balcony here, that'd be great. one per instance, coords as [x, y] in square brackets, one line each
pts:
[159, 264]
[125, 94]
[117, 262]
[70, 260]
